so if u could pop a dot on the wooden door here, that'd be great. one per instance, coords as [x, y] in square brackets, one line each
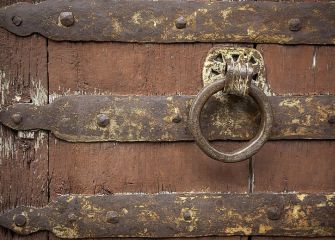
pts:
[35, 167]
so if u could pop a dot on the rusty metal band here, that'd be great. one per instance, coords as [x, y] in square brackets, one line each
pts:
[178, 215]
[168, 21]
[86, 118]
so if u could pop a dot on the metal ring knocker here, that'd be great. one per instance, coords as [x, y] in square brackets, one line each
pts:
[253, 145]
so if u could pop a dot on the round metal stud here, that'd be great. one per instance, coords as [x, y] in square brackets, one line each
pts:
[112, 217]
[103, 120]
[181, 23]
[20, 220]
[16, 118]
[66, 19]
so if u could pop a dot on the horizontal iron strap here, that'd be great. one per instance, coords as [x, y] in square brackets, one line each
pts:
[88, 118]
[168, 21]
[178, 215]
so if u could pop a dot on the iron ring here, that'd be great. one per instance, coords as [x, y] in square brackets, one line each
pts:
[253, 145]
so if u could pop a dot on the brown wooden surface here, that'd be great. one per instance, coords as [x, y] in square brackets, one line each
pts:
[301, 166]
[23, 161]
[148, 69]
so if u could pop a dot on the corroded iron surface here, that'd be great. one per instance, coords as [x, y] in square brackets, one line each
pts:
[164, 118]
[251, 147]
[178, 215]
[174, 21]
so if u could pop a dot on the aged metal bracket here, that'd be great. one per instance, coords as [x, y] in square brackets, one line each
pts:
[164, 118]
[178, 215]
[169, 21]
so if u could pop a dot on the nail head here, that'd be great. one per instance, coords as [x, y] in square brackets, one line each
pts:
[294, 24]
[181, 23]
[331, 119]
[20, 220]
[103, 120]
[66, 19]
[112, 217]
[273, 213]
[187, 215]
[17, 20]
[16, 118]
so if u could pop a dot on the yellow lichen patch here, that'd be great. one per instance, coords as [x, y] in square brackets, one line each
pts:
[225, 13]
[301, 197]
[330, 199]
[246, 8]
[65, 232]
[136, 18]
[117, 27]
[238, 229]
[322, 204]
[147, 215]
[264, 228]
[293, 103]
[124, 211]
[70, 198]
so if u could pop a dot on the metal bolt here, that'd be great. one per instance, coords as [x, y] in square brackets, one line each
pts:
[176, 119]
[72, 217]
[187, 215]
[181, 22]
[294, 24]
[20, 220]
[17, 20]
[103, 120]
[331, 119]
[112, 217]
[16, 118]
[273, 213]
[66, 19]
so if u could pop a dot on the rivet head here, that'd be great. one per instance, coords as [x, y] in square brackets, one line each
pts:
[112, 217]
[72, 217]
[294, 24]
[181, 23]
[187, 215]
[20, 220]
[176, 119]
[273, 213]
[331, 119]
[66, 19]
[16, 118]
[103, 120]
[17, 20]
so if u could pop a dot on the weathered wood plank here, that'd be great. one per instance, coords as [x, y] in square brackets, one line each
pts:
[133, 69]
[285, 166]
[23, 155]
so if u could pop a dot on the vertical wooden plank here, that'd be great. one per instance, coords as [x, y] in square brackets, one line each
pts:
[23, 155]
[302, 166]
[297, 165]
[143, 69]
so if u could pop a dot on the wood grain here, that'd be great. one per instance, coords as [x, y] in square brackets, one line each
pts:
[133, 69]
[297, 165]
[23, 155]
[302, 166]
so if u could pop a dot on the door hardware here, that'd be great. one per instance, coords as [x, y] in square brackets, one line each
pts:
[164, 118]
[255, 143]
[178, 215]
[167, 21]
